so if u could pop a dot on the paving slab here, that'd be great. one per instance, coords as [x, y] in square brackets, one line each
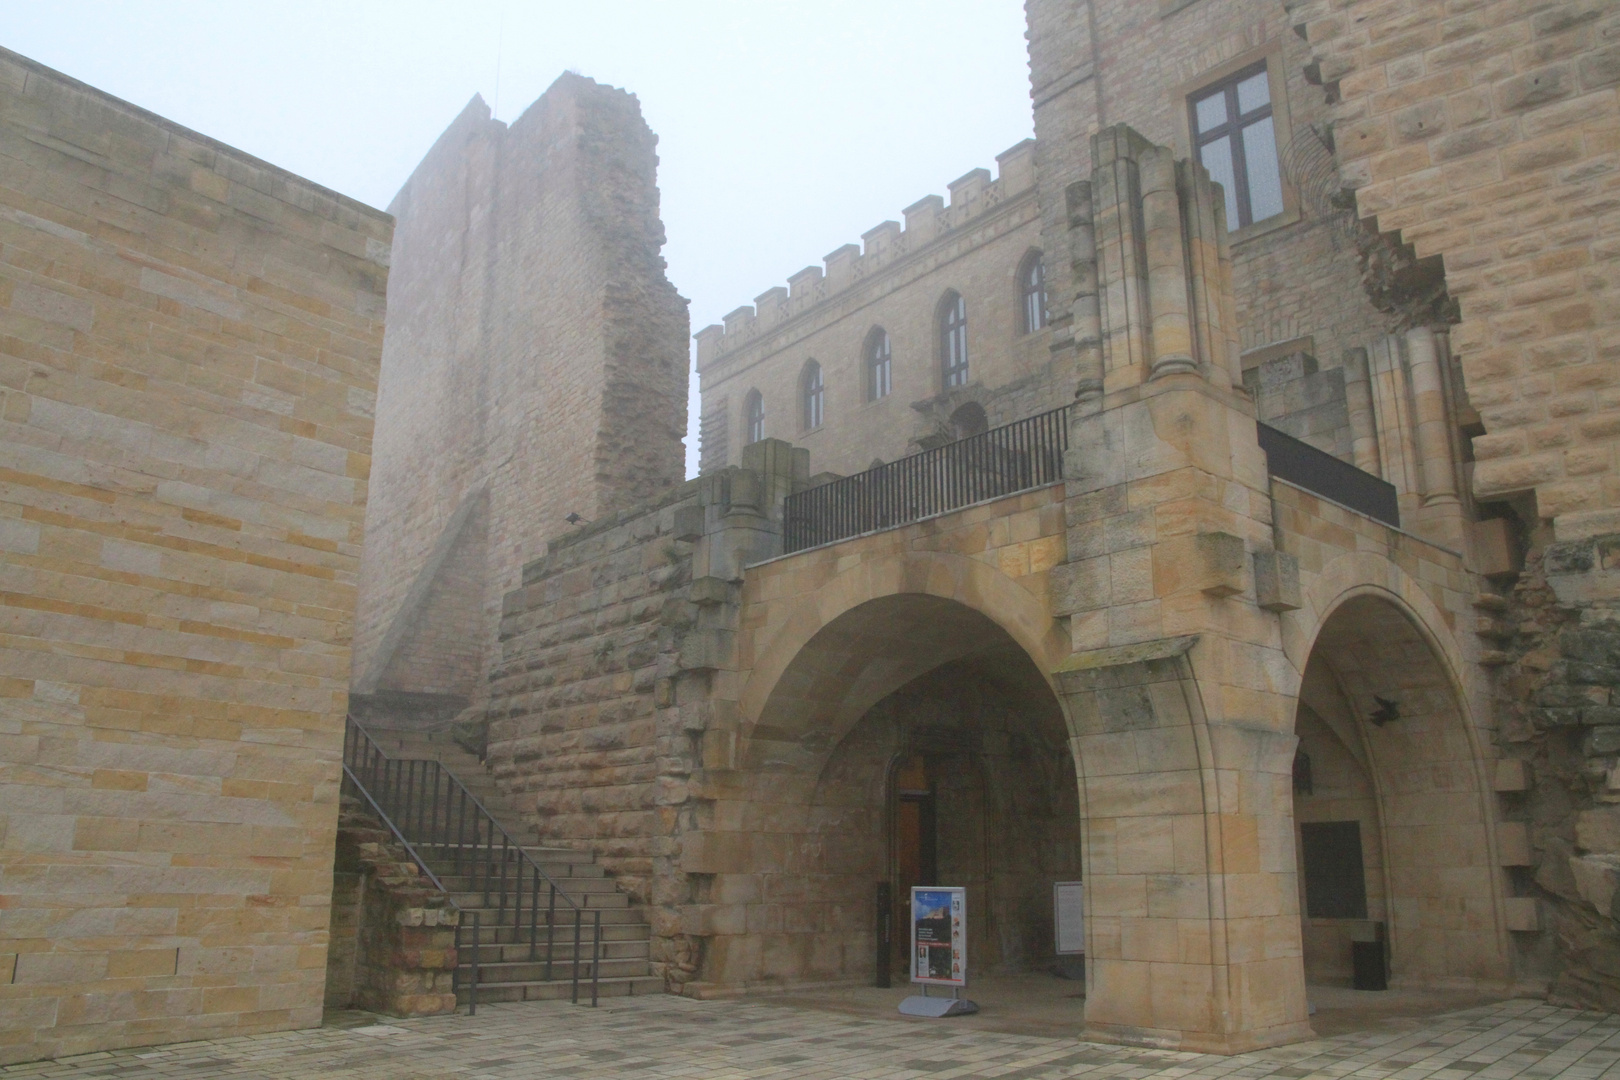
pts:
[671, 1037]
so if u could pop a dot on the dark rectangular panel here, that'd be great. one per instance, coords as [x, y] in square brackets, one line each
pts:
[1335, 882]
[1316, 470]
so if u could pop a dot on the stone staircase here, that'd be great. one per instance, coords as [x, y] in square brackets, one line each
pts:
[509, 968]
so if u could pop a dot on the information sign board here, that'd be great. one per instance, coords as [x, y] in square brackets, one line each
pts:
[939, 935]
[1068, 917]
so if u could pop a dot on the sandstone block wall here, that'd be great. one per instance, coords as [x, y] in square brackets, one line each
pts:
[1487, 133]
[534, 366]
[1296, 277]
[622, 658]
[189, 345]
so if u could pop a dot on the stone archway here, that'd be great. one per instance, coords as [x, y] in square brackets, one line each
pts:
[1394, 783]
[810, 815]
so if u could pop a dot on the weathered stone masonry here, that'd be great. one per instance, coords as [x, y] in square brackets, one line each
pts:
[719, 718]
[1485, 137]
[535, 366]
[189, 343]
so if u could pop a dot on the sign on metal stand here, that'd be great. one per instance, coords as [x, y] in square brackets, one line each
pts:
[938, 921]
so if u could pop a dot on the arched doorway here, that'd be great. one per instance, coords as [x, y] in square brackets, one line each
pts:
[979, 790]
[911, 740]
[1391, 826]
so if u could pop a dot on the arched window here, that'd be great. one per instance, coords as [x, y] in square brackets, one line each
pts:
[812, 394]
[879, 369]
[1032, 288]
[953, 353]
[754, 416]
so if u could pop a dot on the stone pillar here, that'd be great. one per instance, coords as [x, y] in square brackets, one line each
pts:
[1180, 698]
[1358, 398]
[1166, 265]
[1193, 920]
[1085, 315]
[1148, 242]
[1389, 379]
[1209, 266]
[1441, 516]
[1121, 262]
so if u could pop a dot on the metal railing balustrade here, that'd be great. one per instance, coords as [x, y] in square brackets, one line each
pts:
[1016, 457]
[430, 810]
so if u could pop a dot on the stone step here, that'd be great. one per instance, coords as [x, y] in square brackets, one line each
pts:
[575, 887]
[491, 916]
[618, 944]
[540, 854]
[616, 926]
[445, 866]
[535, 971]
[639, 985]
[592, 901]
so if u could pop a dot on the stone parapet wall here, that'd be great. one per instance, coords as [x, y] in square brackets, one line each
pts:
[189, 346]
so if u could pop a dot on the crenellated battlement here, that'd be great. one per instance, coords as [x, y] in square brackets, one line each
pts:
[927, 220]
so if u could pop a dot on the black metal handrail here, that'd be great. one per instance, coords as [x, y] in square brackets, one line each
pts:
[1298, 462]
[1002, 461]
[388, 823]
[432, 803]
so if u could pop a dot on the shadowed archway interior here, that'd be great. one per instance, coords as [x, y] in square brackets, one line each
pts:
[1390, 822]
[911, 738]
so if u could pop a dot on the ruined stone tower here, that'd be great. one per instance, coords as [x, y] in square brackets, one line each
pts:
[534, 367]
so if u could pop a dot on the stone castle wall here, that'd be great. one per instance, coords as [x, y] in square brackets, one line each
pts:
[1296, 277]
[189, 346]
[535, 366]
[975, 245]
[1489, 138]
[579, 726]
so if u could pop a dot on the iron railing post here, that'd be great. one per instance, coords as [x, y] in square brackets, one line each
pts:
[596, 958]
[551, 927]
[574, 997]
[472, 990]
[534, 911]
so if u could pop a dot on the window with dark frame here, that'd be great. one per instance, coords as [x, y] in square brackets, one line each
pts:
[754, 416]
[1236, 139]
[1032, 284]
[953, 353]
[813, 395]
[879, 369]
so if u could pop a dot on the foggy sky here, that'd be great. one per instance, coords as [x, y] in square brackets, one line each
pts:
[786, 129]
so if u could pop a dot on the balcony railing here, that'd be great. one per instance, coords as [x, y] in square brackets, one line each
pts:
[1300, 463]
[1002, 461]
[1017, 457]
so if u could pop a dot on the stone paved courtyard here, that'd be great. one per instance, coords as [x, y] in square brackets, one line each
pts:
[676, 1037]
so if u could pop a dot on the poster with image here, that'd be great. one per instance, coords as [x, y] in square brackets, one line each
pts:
[939, 935]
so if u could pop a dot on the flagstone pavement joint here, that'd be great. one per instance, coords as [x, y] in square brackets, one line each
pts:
[668, 1037]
